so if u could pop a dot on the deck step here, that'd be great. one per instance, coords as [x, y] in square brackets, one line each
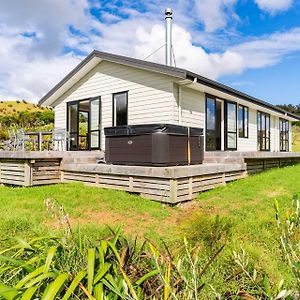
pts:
[223, 157]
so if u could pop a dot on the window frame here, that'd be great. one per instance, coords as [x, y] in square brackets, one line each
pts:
[76, 133]
[267, 136]
[217, 131]
[226, 131]
[244, 134]
[285, 133]
[113, 107]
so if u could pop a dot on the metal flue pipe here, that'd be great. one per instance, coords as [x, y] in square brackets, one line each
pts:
[168, 18]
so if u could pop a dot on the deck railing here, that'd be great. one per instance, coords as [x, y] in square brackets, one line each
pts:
[19, 140]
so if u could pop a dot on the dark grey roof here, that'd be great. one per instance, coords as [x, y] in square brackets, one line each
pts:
[172, 71]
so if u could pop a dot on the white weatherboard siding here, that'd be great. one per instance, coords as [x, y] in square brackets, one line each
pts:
[192, 108]
[250, 143]
[274, 133]
[150, 95]
[290, 137]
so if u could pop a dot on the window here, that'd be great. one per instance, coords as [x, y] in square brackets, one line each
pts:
[120, 109]
[230, 126]
[243, 121]
[213, 124]
[284, 134]
[263, 131]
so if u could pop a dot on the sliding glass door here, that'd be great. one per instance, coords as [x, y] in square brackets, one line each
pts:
[213, 124]
[263, 131]
[84, 124]
[230, 125]
[284, 135]
[95, 123]
[73, 125]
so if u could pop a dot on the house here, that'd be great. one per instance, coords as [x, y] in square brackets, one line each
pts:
[109, 90]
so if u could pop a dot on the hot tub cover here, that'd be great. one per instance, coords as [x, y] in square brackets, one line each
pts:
[130, 130]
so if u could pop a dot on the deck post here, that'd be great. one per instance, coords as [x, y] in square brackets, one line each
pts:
[131, 184]
[223, 178]
[97, 179]
[173, 190]
[62, 176]
[191, 188]
[27, 173]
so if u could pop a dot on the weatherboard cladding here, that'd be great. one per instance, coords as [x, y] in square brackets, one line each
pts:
[155, 91]
[163, 69]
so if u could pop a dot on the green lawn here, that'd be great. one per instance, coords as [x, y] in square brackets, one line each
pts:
[246, 208]
[296, 139]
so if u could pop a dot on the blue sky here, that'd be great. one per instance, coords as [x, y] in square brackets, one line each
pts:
[251, 45]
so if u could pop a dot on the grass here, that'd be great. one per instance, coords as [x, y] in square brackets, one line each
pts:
[296, 139]
[245, 209]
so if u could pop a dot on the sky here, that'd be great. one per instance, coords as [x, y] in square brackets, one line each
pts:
[250, 45]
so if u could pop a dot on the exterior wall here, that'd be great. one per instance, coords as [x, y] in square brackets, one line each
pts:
[193, 114]
[154, 98]
[192, 107]
[250, 143]
[290, 137]
[150, 95]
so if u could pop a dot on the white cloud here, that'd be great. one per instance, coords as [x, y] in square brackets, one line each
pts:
[49, 19]
[25, 78]
[274, 6]
[30, 66]
[213, 13]
[187, 55]
[269, 50]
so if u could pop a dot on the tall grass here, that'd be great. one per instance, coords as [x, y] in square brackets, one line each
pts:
[73, 267]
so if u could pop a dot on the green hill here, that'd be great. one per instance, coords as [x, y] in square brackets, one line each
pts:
[25, 115]
[11, 107]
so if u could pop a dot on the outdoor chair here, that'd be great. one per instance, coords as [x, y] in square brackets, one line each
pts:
[12, 138]
[22, 139]
[60, 138]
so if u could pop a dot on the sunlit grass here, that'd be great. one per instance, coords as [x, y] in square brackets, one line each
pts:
[246, 209]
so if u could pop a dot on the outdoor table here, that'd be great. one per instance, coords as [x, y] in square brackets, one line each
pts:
[39, 135]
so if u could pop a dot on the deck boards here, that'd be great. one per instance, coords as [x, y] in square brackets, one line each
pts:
[165, 184]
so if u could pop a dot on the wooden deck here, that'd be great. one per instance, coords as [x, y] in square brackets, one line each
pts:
[165, 184]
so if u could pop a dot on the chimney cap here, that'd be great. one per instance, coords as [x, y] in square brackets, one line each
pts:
[168, 12]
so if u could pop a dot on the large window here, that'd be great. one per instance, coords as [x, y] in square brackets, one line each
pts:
[230, 126]
[263, 131]
[243, 121]
[120, 109]
[213, 124]
[284, 134]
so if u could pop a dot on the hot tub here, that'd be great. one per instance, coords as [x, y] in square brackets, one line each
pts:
[153, 145]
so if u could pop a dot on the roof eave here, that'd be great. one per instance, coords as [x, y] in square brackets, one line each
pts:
[228, 90]
[145, 65]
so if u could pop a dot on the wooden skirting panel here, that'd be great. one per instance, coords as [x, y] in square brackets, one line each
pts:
[46, 172]
[28, 172]
[169, 185]
[12, 172]
[258, 165]
[165, 190]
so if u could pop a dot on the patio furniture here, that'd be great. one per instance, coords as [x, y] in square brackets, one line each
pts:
[60, 139]
[22, 138]
[12, 138]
